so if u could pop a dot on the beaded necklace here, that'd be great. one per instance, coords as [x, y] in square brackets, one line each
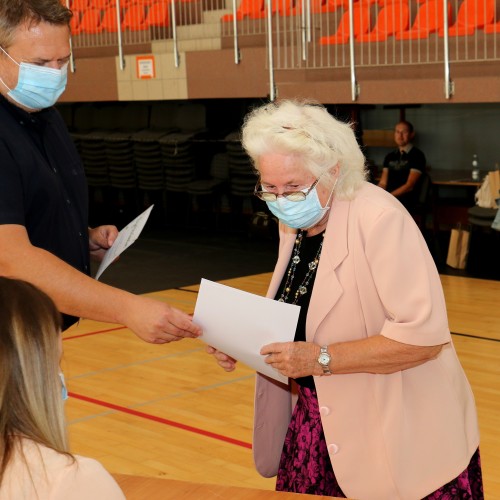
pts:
[312, 266]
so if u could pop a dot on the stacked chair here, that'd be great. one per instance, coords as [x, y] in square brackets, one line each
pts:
[120, 159]
[119, 146]
[148, 156]
[242, 178]
[211, 192]
[103, 138]
[90, 123]
[178, 161]
[178, 156]
[179, 167]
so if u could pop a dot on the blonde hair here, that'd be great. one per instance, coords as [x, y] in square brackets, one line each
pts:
[31, 404]
[307, 131]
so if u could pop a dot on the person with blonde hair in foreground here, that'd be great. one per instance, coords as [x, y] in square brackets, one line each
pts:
[384, 409]
[35, 459]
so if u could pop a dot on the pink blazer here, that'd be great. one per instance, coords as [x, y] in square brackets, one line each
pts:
[396, 436]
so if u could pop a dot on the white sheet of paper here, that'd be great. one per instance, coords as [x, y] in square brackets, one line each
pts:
[240, 323]
[125, 238]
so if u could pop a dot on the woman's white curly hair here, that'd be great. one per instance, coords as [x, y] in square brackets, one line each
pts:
[307, 131]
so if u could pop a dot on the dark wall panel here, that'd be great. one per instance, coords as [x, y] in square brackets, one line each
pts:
[214, 74]
[94, 80]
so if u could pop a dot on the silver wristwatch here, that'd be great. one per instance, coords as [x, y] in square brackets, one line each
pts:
[324, 360]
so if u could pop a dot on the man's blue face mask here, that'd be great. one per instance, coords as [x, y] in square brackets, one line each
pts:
[38, 87]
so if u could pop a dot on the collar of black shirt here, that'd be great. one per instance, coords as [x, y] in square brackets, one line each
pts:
[23, 117]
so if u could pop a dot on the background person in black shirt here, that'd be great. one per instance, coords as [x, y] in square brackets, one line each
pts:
[403, 167]
[44, 237]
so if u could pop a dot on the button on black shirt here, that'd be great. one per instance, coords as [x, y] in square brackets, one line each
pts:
[42, 184]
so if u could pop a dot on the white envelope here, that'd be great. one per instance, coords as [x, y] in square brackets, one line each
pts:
[240, 323]
[125, 238]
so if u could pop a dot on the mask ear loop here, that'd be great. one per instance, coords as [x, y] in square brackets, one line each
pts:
[8, 55]
[331, 194]
[327, 207]
[5, 85]
[14, 61]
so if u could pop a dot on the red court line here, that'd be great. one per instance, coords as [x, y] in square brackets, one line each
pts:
[160, 420]
[95, 333]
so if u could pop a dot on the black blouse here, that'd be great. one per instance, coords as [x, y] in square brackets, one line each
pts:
[308, 250]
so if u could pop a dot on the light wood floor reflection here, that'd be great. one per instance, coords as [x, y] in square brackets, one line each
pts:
[169, 410]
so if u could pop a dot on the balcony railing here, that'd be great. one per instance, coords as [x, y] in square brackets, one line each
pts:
[298, 34]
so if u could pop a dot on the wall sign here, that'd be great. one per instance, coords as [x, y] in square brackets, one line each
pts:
[145, 67]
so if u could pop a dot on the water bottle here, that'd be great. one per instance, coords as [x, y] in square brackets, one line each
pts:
[475, 168]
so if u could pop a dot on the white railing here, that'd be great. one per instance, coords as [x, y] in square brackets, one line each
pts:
[299, 34]
[101, 23]
[407, 20]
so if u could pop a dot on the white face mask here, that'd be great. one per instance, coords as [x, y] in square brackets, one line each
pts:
[37, 87]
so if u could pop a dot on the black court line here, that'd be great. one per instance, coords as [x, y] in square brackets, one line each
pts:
[185, 290]
[475, 336]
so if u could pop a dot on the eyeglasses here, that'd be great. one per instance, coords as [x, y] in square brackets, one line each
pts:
[291, 196]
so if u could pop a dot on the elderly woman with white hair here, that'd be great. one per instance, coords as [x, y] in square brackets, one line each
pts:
[378, 405]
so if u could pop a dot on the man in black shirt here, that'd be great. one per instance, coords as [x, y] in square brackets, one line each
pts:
[44, 237]
[403, 167]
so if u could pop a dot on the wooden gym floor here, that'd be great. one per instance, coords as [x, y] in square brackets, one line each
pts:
[170, 411]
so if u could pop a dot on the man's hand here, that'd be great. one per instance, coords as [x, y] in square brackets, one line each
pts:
[100, 240]
[158, 323]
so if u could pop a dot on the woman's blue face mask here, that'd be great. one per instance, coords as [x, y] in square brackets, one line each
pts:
[300, 214]
[38, 87]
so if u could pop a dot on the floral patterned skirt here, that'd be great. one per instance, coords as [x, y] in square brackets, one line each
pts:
[305, 465]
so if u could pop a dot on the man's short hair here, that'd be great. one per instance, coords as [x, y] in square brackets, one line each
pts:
[14, 13]
[408, 124]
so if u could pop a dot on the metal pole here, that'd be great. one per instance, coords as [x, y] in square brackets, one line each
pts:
[449, 86]
[71, 58]
[119, 31]
[272, 88]
[308, 23]
[306, 26]
[174, 35]
[237, 55]
[354, 83]
[303, 28]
